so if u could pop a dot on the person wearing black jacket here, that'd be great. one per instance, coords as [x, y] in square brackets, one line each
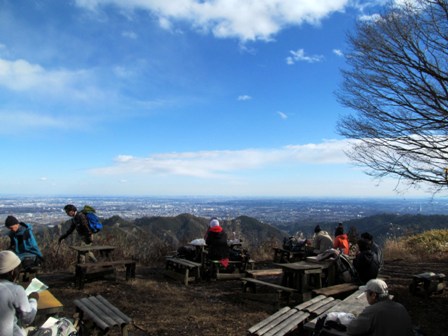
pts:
[216, 240]
[81, 224]
[366, 262]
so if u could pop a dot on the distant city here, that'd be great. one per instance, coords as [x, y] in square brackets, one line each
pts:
[275, 211]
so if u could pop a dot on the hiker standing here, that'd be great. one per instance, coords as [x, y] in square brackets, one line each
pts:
[383, 317]
[23, 243]
[80, 223]
[17, 310]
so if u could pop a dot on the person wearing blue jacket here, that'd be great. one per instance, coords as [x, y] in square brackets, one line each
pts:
[23, 243]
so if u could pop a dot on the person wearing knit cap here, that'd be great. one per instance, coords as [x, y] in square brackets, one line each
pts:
[383, 317]
[216, 240]
[23, 243]
[17, 310]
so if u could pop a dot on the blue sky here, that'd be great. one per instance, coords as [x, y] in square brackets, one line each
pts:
[179, 97]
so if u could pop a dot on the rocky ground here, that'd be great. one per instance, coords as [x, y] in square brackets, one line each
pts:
[161, 306]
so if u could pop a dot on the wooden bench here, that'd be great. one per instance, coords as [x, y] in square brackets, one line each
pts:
[82, 270]
[264, 273]
[99, 314]
[178, 268]
[317, 305]
[280, 323]
[336, 290]
[282, 291]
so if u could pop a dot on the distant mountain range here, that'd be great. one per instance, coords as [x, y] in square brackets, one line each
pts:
[181, 229]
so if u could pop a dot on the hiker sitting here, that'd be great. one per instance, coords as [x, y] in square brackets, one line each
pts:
[341, 240]
[322, 241]
[383, 317]
[23, 243]
[374, 248]
[366, 262]
[216, 240]
[80, 223]
[17, 309]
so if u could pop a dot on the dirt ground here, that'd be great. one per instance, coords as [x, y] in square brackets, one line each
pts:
[161, 306]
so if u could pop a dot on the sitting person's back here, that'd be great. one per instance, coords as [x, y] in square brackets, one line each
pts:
[322, 240]
[216, 240]
[341, 240]
[366, 262]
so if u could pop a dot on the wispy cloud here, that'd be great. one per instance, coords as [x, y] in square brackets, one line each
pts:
[19, 121]
[244, 97]
[338, 52]
[282, 115]
[299, 56]
[245, 20]
[221, 164]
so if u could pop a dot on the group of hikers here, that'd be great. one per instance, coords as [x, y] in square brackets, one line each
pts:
[368, 260]
[17, 308]
[382, 317]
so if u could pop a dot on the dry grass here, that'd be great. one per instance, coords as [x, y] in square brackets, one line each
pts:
[429, 245]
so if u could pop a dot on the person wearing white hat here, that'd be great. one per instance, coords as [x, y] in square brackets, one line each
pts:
[216, 240]
[383, 317]
[17, 310]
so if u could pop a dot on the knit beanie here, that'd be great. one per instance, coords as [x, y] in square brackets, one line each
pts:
[8, 261]
[214, 222]
[317, 229]
[10, 221]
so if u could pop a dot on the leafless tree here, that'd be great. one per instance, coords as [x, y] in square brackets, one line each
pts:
[397, 85]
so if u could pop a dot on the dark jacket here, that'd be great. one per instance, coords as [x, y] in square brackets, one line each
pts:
[366, 265]
[216, 240]
[22, 241]
[81, 224]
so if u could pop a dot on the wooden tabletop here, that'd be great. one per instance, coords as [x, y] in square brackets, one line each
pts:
[86, 248]
[353, 304]
[301, 265]
[48, 304]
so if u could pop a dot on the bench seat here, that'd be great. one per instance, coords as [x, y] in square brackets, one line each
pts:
[101, 314]
[82, 270]
[336, 290]
[179, 268]
[263, 272]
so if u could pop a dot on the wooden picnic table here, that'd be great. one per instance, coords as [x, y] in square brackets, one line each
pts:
[302, 275]
[48, 304]
[104, 251]
[285, 256]
[354, 304]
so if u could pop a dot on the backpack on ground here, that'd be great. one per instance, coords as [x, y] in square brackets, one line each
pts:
[94, 222]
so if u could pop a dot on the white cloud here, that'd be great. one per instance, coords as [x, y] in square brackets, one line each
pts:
[299, 56]
[246, 20]
[16, 121]
[282, 115]
[221, 164]
[338, 52]
[244, 97]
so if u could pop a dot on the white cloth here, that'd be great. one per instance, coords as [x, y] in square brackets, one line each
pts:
[16, 309]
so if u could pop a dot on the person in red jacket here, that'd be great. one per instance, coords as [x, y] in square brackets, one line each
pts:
[341, 240]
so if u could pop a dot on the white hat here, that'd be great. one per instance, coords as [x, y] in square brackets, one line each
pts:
[214, 222]
[8, 261]
[375, 285]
